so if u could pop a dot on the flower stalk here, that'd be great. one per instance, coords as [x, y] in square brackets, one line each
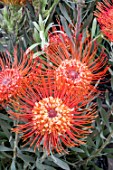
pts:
[80, 5]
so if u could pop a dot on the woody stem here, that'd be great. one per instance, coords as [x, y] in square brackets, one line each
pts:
[97, 152]
[15, 144]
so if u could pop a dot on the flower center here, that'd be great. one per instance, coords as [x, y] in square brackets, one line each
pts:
[9, 77]
[72, 74]
[6, 81]
[10, 81]
[51, 114]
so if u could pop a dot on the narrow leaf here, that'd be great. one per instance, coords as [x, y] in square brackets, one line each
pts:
[94, 25]
[13, 167]
[60, 163]
[65, 14]
[4, 149]
[77, 150]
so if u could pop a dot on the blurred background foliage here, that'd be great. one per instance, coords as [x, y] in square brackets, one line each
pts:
[27, 27]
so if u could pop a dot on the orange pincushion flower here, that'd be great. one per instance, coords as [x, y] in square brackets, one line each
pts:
[13, 74]
[104, 16]
[51, 118]
[14, 2]
[79, 67]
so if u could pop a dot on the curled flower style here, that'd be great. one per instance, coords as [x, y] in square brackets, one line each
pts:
[14, 2]
[13, 74]
[80, 67]
[58, 36]
[104, 16]
[51, 118]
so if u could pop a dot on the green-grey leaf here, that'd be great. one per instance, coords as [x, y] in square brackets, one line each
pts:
[94, 25]
[107, 98]
[105, 118]
[32, 47]
[4, 148]
[77, 150]
[108, 150]
[65, 14]
[13, 167]
[112, 82]
[60, 163]
[26, 158]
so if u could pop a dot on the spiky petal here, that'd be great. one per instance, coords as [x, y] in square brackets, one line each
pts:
[104, 14]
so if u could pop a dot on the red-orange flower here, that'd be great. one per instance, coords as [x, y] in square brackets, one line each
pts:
[51, 118]
[13, 74]
[104, 16]
[80, 67]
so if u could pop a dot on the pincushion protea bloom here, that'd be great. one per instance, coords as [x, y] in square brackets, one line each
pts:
[14, 2]
[80, 66]
[13, 74]
[104, 16]
[51, 118]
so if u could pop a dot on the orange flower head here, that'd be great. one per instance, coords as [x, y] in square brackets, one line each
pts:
[51, 118]
[14, 2]
[79, 67]
[104, 16]
[13, 74]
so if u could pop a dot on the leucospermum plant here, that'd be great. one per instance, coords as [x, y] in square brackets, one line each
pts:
[53, 117]
[53, 109]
